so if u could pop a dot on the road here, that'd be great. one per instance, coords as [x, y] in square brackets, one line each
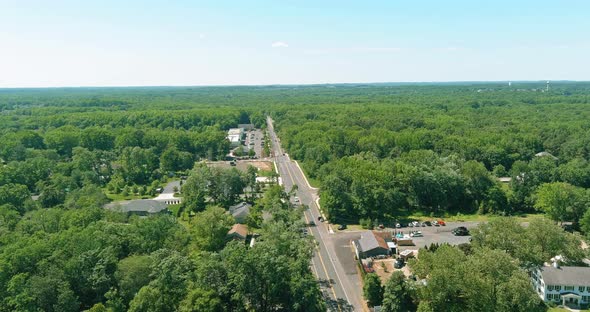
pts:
[340, 288]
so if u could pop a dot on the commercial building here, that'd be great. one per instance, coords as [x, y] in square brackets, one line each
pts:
[370, 244]
[235, 136]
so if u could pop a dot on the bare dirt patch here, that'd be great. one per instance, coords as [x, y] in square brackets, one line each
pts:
[384, 268]
[242, 165]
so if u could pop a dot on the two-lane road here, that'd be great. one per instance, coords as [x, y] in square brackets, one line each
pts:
[341, 292]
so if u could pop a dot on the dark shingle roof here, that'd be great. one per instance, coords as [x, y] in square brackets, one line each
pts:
[370, 241]
[139, 205]
[573, 276]
[240, 210]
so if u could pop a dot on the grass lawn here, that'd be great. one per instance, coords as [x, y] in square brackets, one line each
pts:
[563, 310]
[452, 218]
[470, 217]
[313, 182]
[174, 209]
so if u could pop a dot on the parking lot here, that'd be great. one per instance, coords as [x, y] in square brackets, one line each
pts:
[254, 139]
[431, 234]
[437, 234]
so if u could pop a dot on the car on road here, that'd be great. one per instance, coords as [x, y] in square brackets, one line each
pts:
[460, 231]
[342, 227]
[321, 219]
[311, 223]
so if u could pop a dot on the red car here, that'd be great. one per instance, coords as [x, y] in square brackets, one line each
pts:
[441, 223]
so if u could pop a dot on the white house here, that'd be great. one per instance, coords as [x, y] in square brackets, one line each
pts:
[569, 286]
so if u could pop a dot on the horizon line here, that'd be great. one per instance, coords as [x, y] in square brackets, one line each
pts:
[290, 84]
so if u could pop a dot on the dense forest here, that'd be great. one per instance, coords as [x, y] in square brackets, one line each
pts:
[378, 152]
[393, 151]
[65, 153]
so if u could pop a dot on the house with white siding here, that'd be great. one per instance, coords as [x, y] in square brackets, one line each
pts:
[563, 285]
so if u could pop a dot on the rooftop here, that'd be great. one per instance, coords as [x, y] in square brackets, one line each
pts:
[138, 205]
[240, 210]
[239, 229]
[573, 276]
[369, 240]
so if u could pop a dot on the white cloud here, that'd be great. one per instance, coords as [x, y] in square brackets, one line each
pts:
[201, 36]
[353, 50]
[279, 44]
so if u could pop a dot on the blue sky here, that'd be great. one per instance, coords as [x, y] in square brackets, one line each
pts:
[129, 43]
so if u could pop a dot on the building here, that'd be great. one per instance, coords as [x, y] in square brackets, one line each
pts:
[568, 286]
[370, 244]
[545, 154]
[248, 127]
[235, 136]
[142, 207]
[240, 212]
[238, 232]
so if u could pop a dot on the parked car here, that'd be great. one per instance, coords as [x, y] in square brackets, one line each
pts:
[416, 234]
[311, 223]
[399, 263]
[416, 223]
[428, 223]
[397, 225]
[435, 223]
[321, 219]
[342, 227]
[441, 222]
[296, 199]
[381, 226]
[460, 231]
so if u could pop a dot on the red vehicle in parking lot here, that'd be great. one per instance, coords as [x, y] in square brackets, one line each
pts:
[441, 223]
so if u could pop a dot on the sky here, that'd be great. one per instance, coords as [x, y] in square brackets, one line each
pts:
[62, 43]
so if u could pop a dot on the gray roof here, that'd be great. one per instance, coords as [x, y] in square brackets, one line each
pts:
[139, 205]
[240, 210]
[370, 241]
[246, 126]
[574, 276]
[545, 154]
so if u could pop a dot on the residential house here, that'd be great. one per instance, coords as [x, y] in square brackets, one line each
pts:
[240, 212]
[238, 232]
[142, 207]
[568, 286]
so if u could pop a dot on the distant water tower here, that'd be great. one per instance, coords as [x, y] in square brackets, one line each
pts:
[547, 86]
